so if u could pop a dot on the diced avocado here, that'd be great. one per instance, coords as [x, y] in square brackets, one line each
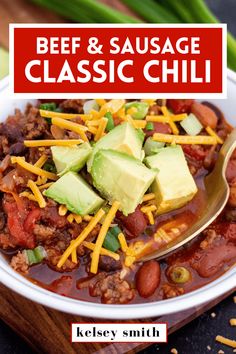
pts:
[71, 190]
[174, 185]
[124, 138]
[121, 177]
[70, 158]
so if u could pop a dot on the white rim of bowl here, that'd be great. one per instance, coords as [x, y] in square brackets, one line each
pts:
[24, 287]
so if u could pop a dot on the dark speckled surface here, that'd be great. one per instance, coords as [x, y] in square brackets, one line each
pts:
[196, 336]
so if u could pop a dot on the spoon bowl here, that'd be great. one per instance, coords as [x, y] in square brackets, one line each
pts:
[217, 190]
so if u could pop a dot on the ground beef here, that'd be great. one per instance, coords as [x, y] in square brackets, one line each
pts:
[2, 220]
[230, 214]
[170, 291]
[112, 290]
[211, 235]
[19, 263]
[35, 126]
[53, 257]
[72, 106]
[6, 240]
[43, 232]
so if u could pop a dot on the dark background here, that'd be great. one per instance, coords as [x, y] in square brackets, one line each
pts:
[196, 336]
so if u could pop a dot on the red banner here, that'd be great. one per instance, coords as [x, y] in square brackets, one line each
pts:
[130, 60]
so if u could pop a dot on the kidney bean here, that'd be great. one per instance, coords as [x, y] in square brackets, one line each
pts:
[231, 171]
[135, 223]
[158, 128]
[208, 263]
[180, 106]
[17, 149]
[205, 114]
[108, 264]
[148, 278]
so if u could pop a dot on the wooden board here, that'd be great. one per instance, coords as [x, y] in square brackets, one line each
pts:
[47, 330]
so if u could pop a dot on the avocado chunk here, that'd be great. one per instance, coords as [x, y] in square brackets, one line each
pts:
[70, 158]
[71, 190]
[119, 176]
[174, 185]
[124, 138]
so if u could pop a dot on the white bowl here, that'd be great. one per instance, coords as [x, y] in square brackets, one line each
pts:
[24, 287]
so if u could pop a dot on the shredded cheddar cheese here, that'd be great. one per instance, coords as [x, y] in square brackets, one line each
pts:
[82, 236]
[101, 236]
[35, 170]
[132, 110]
[121, 113]
[171, 123]
[36, 192]
[74, 254]
[149, 101]
[46, 185]
[148, 197]
[232, 321]
[100, 101]
[123, 243]
[157, 118]
[74, 127]
[101, 129]
[212, 133]
[92, 130]
[77, 218]
[87, 217]
[52, 114]
[185, 139]
[37, 143]
[231, 343]
[104, 251]
[28, 195]
[135, 122]
[70, 218]
[179, 117]
[41, 161]
[93, 123]
[150, 217]
[40, 180]
[147, 209]
[62, 210]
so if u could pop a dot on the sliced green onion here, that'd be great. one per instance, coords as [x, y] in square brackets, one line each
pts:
[50, 106]
[116, 230]
[89, 105]
[141, 109]
[149, 126]
[36, 255]
[110, 123]
[191, 125]
[111, 241]
[151, 147]
[50, 167]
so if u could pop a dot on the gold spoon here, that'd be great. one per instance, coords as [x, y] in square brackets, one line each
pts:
[217, 190]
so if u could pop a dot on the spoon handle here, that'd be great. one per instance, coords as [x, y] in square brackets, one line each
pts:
[226, 152]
